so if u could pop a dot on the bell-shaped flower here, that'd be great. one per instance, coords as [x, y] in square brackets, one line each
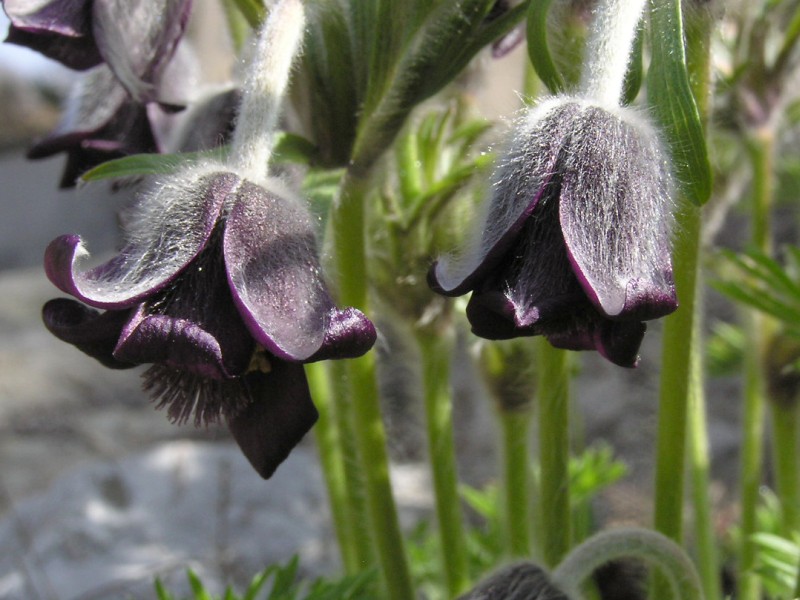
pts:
[100, 122]
[135, 38]
[220, 289]
[575, 240]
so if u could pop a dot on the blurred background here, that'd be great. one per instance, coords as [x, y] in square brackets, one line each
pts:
[99, 493]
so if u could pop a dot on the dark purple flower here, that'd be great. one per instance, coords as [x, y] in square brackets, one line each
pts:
[100, 122]
[135, 38]
[575, 242]
[219, 287]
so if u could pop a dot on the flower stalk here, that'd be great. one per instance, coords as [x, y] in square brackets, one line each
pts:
[656, 549]
[435, 352]
[608, 50]
[553, 396]
[350, 256]
[681, 377]
[264, 89]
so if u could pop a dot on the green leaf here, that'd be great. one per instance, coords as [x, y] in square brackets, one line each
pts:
[283, 584]
[198, 589]
[539, 49]
[635, 74]
[161, 591]
[258, 582]
[138, 165]
[674, 106]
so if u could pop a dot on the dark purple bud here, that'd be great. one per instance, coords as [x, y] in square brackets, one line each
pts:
[575, 240]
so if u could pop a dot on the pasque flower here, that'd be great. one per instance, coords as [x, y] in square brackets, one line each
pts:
[218, 285]
[222, 292]
[135, 38]
[574, 243]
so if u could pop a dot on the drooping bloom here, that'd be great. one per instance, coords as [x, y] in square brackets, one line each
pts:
[219, 287]
[575, 240]
[135, 38]
[100, 122]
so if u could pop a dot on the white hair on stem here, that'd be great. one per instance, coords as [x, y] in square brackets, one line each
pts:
[608, 50]
[278, 43]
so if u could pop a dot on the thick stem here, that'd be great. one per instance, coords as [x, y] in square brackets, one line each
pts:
[350, 255]
[436, 352]
[264, 87]
[604, 547]
[608, 49]
[516, 425]
[553, 396]
[681, 379]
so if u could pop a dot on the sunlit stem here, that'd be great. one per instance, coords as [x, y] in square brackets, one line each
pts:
[349, 242]
[553, 402]
[681, 378]
[264, 87]
[608, 50]
[436, 352]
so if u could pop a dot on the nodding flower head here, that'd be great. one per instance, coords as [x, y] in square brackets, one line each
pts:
[219, 288]
[575, 240]
[135, 38]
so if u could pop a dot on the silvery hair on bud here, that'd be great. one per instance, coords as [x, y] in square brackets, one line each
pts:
[607, 168]
[521, 581]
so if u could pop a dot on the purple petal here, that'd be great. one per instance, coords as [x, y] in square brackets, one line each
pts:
[137, 38]
[523, 179]
[171, 225]
[615, 215]
[184, 344]
[274, 273]
[350, 334]
[280, 414]
[616, 341]
[91, 332]
[59, 29]
[95, 100]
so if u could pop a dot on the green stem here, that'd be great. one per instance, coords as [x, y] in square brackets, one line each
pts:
[707, 557]
[786, 454]
[681, 377]
[333, 465]
[553, 396]
[350, 255]
[760, 328]
[516, 425]
[436, 352]
[610, 545]
[342, 408]
[677, 379]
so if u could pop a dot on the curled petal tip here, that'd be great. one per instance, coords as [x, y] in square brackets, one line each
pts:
[350, 334]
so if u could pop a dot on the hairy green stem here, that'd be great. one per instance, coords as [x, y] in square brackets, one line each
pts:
[681, 377]
[436, 352]
[350, 259]
[610, 545]
[516, 425]
[333, 464]
[553, 396]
